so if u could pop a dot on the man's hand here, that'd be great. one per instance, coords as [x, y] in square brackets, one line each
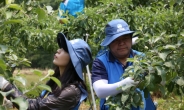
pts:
[127, 83]
[3, 82]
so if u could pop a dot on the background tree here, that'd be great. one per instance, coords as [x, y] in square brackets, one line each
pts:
[29, 26]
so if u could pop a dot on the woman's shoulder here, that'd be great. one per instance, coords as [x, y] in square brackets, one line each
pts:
[71, 91]
[69, 97]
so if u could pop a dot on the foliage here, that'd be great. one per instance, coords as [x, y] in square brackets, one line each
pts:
[27, 26]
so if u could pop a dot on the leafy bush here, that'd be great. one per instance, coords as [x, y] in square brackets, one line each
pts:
[159, 24]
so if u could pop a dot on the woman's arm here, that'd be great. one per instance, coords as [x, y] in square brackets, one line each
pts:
[68, 99]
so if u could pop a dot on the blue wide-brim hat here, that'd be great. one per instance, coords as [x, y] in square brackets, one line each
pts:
[115, 29]
[79, 51]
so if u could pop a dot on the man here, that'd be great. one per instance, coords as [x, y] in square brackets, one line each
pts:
[109, 67]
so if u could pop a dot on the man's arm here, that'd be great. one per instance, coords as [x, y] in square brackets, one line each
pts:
[100, 81]
[103, 89]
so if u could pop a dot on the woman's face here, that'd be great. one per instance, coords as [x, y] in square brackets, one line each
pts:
[61, 58]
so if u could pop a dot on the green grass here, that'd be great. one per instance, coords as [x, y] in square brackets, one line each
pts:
[172, 102]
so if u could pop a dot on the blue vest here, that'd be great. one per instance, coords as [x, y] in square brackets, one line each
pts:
[72, 6]
[114, 70]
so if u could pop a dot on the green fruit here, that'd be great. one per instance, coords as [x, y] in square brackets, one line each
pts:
[64, 20]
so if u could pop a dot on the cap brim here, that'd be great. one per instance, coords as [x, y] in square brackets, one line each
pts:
[75, 60]
[61, 41]
[109, 39]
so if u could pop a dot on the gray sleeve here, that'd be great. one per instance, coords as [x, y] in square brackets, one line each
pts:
[67, 100]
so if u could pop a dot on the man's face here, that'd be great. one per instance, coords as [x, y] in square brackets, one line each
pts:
[121, 46]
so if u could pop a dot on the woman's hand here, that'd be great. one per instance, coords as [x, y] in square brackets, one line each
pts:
[7, 103]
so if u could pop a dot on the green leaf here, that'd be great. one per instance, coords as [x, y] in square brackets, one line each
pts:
[21, 102]
[130, 59]
[170, 86]
[182, 34]
[157, 39]
[134, 104]
[173, 47]
[126, 88]
[146, 92]
[161, 72]
[20, 79]
[41, 14]
[56, 81]
[15, 6]
[8, 2]
[32, 92]
[180, 81]
[6, 93]
[157, 63]
[14, 57]
[2, 65]
[50, 72]
[163, 56]
[141, 85]
[49, 9]
[3, 49]
[1, 99]
[44, 87]
[162, 89]
[169, 64]
[37, 72]
[45, 77]
[2, 107]
[151, 87]
[8, 15]
[137, 98]
[124, 98]
[13, 21]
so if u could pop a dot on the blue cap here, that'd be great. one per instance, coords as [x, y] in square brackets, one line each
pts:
[115, 29]
[79, 51]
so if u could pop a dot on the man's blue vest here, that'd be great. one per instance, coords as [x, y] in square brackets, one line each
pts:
[115, 70]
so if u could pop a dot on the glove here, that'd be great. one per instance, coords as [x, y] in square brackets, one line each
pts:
[3, 82]
[7, 103]
[127, 83]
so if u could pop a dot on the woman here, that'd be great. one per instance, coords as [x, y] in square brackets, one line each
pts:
[70, 59]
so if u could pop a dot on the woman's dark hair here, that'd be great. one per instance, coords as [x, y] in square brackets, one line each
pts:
[69, 76]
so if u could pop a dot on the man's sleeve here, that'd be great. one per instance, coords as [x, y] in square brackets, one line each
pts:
[98, 71]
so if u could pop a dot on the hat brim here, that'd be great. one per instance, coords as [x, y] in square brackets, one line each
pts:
[73, 56]
[109, 39]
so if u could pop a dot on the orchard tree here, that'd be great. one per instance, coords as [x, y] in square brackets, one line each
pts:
[26, 25]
